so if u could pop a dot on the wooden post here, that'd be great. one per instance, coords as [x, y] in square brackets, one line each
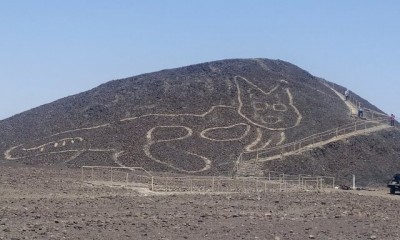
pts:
[269, 176]
[127, 177]
[355, 126]
[152, 183]
[92, 174]
[257, 156]
[256, 185]
[111, 174]
[237, 183]
[265, 186]
[82, 174]
[299, 181]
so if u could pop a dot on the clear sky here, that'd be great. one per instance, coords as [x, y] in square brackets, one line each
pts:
[53, 49]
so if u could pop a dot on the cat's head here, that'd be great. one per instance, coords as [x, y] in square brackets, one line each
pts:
[274, 109]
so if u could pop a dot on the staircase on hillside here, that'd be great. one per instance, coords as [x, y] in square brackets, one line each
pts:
[371, 122]
[250, 168]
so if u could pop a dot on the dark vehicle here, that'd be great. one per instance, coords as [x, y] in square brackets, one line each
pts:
[394, 183]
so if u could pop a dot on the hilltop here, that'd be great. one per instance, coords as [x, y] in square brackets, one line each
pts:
[195, 119]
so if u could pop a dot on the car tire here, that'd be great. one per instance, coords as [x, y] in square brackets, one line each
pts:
[392, 190]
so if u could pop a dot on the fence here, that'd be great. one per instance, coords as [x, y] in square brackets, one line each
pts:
[139, 177]
[368, 113]
[128, 175]
[320, 137]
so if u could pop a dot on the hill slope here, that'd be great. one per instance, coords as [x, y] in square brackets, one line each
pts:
[194, 119]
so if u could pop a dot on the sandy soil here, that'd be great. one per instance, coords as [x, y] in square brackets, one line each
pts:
[46, 203]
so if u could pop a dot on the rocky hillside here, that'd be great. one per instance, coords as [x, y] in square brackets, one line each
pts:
[195, 119]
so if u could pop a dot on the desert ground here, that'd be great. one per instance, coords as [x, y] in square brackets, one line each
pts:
[53, 203]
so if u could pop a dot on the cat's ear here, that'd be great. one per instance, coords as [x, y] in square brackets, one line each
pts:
[249, 90]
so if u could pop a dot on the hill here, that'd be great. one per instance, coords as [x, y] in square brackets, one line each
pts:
[195, 119]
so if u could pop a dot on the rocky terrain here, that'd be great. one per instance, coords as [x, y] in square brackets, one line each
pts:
[51, 203]
[192, 120]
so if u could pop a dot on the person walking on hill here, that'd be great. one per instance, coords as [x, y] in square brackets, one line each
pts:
[360, 111]
[346, 94]
[392, 117]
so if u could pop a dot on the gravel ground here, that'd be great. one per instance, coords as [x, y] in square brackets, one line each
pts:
[50, 203]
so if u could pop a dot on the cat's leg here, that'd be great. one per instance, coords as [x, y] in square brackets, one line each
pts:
[170, 146]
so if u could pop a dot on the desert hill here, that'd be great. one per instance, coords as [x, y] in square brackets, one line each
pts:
[195, 119]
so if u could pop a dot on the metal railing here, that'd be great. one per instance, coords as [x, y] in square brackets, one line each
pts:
[115, 174]
[275, 181]
[331, 134]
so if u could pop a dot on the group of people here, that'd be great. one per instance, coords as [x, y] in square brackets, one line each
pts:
[361, 109]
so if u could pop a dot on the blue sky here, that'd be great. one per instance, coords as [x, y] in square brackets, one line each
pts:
[52, 49]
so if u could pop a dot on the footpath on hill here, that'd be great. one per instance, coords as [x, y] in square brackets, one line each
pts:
[253, 167]
[353, 110]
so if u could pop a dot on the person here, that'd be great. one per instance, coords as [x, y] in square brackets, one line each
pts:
[346, 94]
[392, 117]
[360, 111]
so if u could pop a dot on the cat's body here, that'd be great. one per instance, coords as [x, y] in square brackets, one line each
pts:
[183, 142]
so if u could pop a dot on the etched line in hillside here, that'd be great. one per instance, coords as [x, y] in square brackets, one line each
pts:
[300, 117]
[276, 118]
[74, 156]
[283, 138]
[204, 132]
[151, 141]
[7, 153]
[82, 129]
[176, 115]
[262, 64]
[115, 157]
[248, 121]
[53, 142]
[249, 147]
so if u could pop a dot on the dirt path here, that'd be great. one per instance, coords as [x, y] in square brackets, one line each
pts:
[353, 109]
[321, 143]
